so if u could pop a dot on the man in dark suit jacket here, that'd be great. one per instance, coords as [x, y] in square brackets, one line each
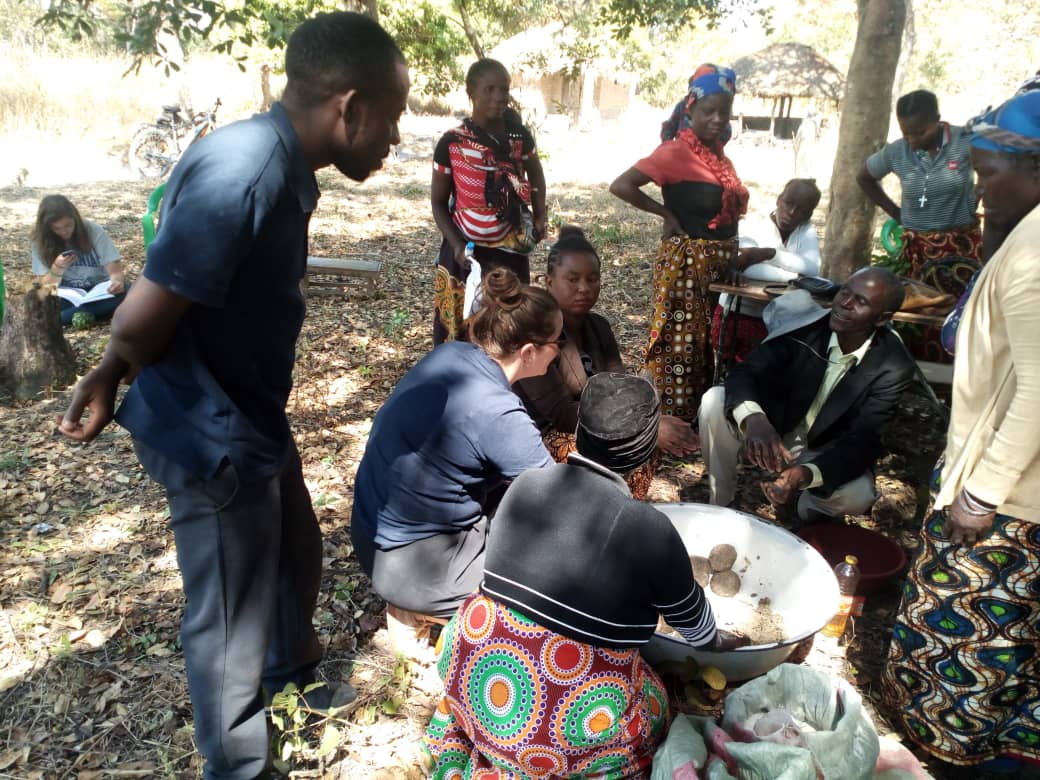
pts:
[810, 404]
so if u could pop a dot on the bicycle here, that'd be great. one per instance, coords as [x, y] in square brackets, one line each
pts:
[155, 148]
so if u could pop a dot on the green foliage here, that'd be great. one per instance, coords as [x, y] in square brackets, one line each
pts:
[431, 43]
[625, 16]
[82, 320]
[394, 326]
[289, 715]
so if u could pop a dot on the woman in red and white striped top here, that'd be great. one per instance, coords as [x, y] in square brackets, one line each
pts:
[488, 189]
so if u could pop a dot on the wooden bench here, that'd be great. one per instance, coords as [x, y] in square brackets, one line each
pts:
[342, 269]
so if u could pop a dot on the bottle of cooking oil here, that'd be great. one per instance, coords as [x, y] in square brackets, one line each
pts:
[847, 573]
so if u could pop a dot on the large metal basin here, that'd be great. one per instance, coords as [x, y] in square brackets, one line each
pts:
[772, 563]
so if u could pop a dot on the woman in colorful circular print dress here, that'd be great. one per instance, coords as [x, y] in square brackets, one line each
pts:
[542, 671]
[703, 202]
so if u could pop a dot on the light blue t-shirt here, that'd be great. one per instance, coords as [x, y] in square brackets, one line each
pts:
[88, 269]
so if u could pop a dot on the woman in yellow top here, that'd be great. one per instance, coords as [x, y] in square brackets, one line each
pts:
[964, 667]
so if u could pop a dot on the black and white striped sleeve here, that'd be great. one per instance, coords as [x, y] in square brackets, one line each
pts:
[691, 616]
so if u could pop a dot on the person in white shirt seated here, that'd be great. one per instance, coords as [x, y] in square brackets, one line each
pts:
[811, 402]
[774, 249]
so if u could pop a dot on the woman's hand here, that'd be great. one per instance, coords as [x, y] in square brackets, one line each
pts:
[671, 225]
[539, 227]
[117, 284]
[967, 520]
[63, 261]
[676, 437]
[462, 259]
[751, 255]
[726, 640]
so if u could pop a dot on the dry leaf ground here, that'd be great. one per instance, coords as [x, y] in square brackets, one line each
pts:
[91, 674]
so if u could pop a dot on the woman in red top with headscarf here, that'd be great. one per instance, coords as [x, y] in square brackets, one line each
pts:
[703, 202]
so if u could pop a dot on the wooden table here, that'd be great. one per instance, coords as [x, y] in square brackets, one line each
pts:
[756, 291]
[939, 373]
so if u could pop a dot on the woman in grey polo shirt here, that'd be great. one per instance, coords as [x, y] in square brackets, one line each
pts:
[938, 205]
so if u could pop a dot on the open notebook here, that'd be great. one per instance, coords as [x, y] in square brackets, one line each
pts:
[78, 297]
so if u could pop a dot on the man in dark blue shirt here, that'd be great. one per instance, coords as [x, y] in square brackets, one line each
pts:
[210, 330]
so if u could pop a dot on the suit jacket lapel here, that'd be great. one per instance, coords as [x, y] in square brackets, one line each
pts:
[808, 370]
[849, 389]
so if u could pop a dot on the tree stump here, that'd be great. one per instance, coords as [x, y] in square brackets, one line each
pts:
[34, 354]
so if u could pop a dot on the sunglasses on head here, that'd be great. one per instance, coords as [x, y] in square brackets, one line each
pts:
[559, 341]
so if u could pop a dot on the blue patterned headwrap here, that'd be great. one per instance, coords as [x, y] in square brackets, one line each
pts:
[1013, 128]
[710, 79]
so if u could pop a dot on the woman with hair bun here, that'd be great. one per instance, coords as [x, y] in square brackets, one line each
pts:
[573, 278]
[449, 437]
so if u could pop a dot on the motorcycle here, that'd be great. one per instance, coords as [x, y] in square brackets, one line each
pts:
[155, 148]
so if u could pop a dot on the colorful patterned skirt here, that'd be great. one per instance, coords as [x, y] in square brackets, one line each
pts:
[679, 354]
[449, 285]
[963, 672]
[560, 445]
[521, 701]
[923, 246]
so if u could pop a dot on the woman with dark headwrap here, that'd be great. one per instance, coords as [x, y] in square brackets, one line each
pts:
[963, 674]
[542, 671]
[703, 202]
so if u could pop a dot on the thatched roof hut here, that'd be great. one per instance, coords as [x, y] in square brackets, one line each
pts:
[538, 61]
[789, 70]
[783, 73]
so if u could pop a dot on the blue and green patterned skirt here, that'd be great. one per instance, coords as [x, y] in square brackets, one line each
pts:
[521, 701]
[963, 671]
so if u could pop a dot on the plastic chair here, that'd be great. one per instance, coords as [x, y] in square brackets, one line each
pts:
[148, 219]
[892, 237]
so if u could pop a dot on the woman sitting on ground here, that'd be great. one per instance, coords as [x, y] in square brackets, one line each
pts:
[450, 435]
[488, 189]
[573, 278]
[542, 671]
[76, 255]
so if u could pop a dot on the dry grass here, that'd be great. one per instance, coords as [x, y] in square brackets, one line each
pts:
[57, 113]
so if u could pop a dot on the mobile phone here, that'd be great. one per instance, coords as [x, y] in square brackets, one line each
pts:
[68, 253]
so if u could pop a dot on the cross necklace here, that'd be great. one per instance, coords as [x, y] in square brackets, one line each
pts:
[931, 154]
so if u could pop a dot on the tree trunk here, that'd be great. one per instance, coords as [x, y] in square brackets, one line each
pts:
[372, 9]
[265, 88]
[863, 130]
[34, 354]
[467, 27]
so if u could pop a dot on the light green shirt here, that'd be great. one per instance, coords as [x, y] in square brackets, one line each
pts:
[838, 364]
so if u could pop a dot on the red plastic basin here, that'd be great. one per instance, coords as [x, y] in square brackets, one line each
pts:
[880, 559]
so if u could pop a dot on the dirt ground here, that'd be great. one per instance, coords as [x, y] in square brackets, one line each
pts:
[91, 675]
